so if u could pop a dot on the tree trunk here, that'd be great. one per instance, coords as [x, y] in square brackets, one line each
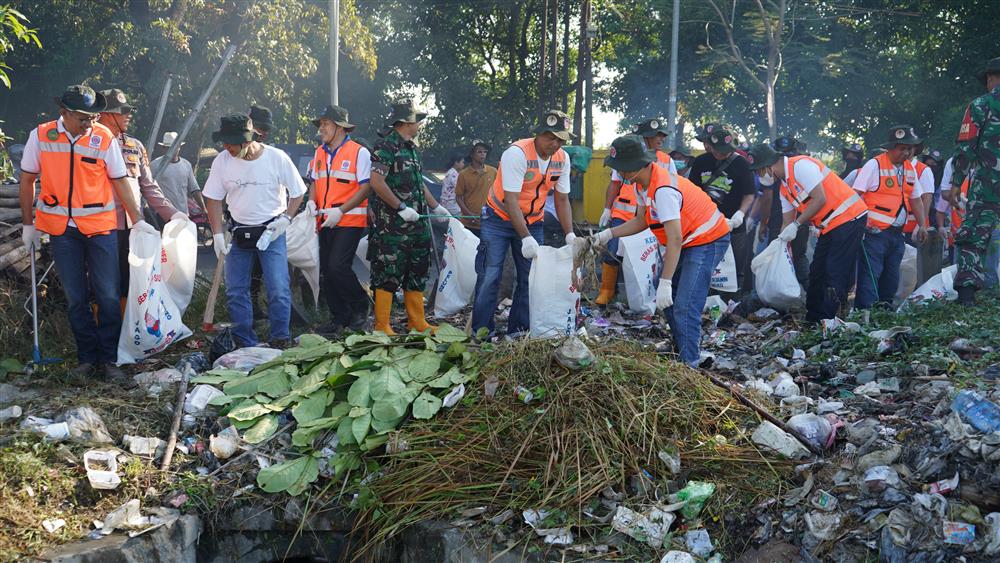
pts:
[541, 92]
[565, 69]
[772, 118]
[581, 65]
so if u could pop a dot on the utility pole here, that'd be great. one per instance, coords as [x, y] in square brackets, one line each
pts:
[541, 59]
[565, 70]
[672, 100]
[160, 107]
[552, 101]
[581, 72]
[591, 33]
[334, 44]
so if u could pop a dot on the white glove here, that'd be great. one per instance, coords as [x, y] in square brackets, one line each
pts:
[570, 237]
[145, 227]
[179, 216]
[409, 214]
[665, 295]
[529, 247]
[736, 220]
[29, 236]
[442, 211]
[602, 237]
[579, 243]
[788, 233]
[311, 208]
[605, 218]
[278, 226]
[219, 245]
[333, 216]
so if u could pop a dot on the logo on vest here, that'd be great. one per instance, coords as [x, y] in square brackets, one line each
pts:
[345, 165]
[95, 141]
[52, 134]
[889, 183]
[528, 176]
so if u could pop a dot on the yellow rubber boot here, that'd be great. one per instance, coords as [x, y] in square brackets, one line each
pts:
[383, 308]
[609, 281]
[415, 312]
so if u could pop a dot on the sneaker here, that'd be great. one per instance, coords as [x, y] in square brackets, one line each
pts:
[114, 374]
[330, 329]
[281, 343]
[82, 373]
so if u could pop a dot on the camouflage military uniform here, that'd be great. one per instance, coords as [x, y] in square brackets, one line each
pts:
[977, 155]
[399, 252]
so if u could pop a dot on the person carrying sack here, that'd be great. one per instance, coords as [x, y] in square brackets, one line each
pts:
[263, 190]
[688, 223]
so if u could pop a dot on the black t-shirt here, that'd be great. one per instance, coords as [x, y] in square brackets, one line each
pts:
[729, 188]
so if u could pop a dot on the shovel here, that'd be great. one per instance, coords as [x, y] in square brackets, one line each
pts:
[36, 353]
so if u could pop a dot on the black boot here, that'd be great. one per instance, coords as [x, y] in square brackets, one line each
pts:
[967, 296]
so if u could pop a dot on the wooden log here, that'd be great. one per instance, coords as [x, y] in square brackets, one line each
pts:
[10, 215]
[10, 202]
[12, 257]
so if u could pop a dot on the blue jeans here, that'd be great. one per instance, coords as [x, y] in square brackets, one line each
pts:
[239, 265]
[878, 267]
[495, 237]
[88, 266]
[611, 257]
[691, 281]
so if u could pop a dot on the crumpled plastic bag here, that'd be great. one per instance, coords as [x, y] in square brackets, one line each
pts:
[574, 355]
[86, 426]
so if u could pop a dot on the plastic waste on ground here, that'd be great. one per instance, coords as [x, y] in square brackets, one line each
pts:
[650, 527]
[677, 557]
[814, 428]
[102, 469]
[698, 542]
[85, 426]
[573, 354]
[694, 495]
[941, 286]
[245, 359]
[225, 443]
[198, 398]
[770, 436]
[980, 412]
[145, 446]
[10, 413]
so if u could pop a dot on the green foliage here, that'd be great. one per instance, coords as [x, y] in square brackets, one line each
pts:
[13, 30]
[360, 390]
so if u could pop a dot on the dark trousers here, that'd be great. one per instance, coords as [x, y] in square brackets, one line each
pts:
[742, 243]
[831, 273]
[345, 297]
[123, 269]
[878, 267]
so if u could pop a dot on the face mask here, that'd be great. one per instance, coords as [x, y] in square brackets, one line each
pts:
[766, 180]
[680, 165]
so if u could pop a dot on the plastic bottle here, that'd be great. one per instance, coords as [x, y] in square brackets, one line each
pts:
[977, 410]
[265, 240]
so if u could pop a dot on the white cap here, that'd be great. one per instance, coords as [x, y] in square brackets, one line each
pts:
[168, 138]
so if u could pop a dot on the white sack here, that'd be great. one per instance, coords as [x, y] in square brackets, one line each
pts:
[302, 244]
[552, 297]
[774, 276]
[641, 264]
[457, 279]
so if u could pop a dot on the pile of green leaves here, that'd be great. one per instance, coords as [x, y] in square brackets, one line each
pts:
[347, 396]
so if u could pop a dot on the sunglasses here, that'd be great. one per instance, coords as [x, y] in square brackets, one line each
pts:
[85, 117]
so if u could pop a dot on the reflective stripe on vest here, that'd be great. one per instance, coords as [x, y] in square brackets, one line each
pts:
[885, 202]
[74, 181]
[701, 221]
[626, 204]
[842, 203]
[911, 219]
[535, 186]
[337, 181]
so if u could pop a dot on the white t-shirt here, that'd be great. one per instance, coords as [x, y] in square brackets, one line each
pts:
[255, 190]
[808, 175]
[868, 181]
[667, 203]
[363, 166]
[514, 164]
[925, 182]
[946, 175]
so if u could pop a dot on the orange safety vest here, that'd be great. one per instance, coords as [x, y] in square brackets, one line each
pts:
[957, 215]
[534, 187]
[842, 203]
[74, 181]
[701, 220]
[337, 181]
[627, 202]
[911, 219]
[884, 203]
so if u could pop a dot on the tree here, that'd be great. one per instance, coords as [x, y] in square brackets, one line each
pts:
[13, 29]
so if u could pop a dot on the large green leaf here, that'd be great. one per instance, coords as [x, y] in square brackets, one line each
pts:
[360, 426]
[292, 475]
[219, 375]
[345, 431]
[455, 350]
[273, 382]
[424, 366]
[373, 442]
[442, 382]
[248, 410]
[223, 400]
[425, 406]
[370, 338]
[382, 426]
[447, 333]
[312, 407]
[390, 408]
[311, 341]
[262, 430]
[359, 394]
[304, 435]
[385, 382]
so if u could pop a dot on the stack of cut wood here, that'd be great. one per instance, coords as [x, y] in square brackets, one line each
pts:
[14, 259]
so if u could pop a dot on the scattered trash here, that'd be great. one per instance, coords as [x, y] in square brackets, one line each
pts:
[199, 397]
[823, 501]
[698, 542]
[146, 447]
[823, 525]
[672, 459]
[53, 524]
[573, 354]
[978, 411]
[155, 382]
[943, 486]
[958, 533]
[650, 527]
[694, 496]
[677, 557]
[770, 436]
[53, 431]
[879, 478]
[555, 536]
[452, 398]
[102, 469]
[814, 428]
[245, 359]
[524, 394]
[10, 413]
[224, 444]
[85, 426]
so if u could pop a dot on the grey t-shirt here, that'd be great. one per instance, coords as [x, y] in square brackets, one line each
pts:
[177, 181]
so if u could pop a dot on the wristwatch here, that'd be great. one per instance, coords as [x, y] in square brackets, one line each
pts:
[401, 207]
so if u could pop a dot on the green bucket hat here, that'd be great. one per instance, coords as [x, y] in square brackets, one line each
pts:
[261, 117]
[706, 130]
[722, 140]
[854, 148]
[934, 155]
[556, 122]
[628, 153]
[902, 135]
[404, 111]
[336, 114]
[650, 128]
[786, 145]
[992, 67]
[116, 101]
[762, 155]
[82, 99]
[234, 129]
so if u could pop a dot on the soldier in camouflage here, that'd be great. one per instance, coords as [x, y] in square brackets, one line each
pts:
[977, 157]
[399, 233]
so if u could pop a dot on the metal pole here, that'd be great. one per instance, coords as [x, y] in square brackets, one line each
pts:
[172, 151]
[162, 105]
[334, 45]
[672, 101]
